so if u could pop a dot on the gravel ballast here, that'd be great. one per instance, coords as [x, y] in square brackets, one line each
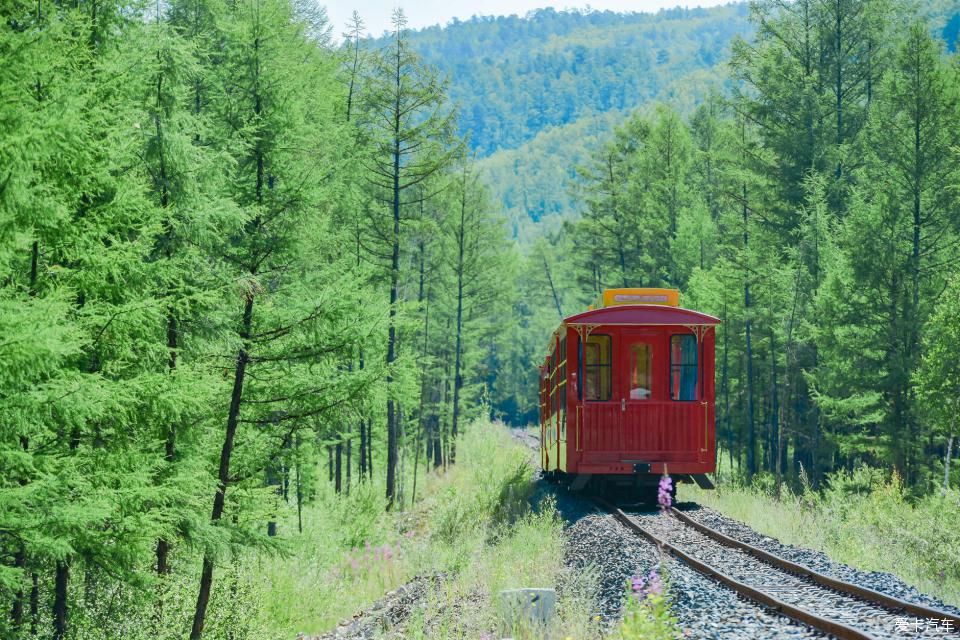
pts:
[705, 609]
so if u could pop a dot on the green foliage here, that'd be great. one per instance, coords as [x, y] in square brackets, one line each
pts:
[186, 320]
[647, 615]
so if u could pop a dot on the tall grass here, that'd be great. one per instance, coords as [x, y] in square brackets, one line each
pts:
[865, 519]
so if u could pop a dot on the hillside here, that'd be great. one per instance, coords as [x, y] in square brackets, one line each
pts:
[528, 86]
[514, 77]
[537, 93]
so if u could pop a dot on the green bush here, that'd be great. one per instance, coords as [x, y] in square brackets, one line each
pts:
[647, 614]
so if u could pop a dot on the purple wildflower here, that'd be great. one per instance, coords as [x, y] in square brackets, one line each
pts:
[664, 498]
[654, 584]
[636, 584]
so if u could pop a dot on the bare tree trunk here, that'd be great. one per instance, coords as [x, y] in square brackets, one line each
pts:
[362, 460]
[370, 447]
[553, 289]
[774, 405]
[421, 419]
[299, 487]
[16, 613]
[34, 604]
[457, 378]
[394, 282]
[946, 459]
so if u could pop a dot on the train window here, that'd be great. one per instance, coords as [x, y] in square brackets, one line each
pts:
[683, 367]
[562, 368]
[640, 371]
[597, 353]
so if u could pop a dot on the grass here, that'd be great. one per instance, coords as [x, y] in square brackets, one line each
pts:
[864, 519]
[352, 551]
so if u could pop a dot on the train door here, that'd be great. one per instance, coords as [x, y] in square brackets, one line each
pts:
[661, 407]
[641, 387]
[599, 430]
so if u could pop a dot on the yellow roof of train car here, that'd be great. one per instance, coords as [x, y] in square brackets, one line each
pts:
[640, 295]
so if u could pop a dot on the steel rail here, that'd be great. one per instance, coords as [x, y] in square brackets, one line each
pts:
[832, 627]
[838, 585]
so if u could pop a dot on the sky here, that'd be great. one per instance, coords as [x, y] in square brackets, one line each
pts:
[423, 13]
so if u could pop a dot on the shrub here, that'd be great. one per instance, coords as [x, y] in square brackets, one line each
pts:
[647, 614]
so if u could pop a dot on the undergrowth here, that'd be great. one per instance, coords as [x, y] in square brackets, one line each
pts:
[471, 524]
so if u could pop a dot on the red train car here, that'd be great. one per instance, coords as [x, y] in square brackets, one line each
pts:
[627, 394]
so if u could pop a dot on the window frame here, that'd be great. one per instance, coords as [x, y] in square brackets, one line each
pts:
[651, 350]
[698, 391]
[584, 368]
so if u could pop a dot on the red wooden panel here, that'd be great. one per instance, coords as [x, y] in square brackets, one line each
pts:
[601, 426]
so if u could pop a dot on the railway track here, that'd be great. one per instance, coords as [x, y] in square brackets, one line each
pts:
[840, 609]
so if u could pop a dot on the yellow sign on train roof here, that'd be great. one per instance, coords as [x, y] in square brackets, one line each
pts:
[641, 295]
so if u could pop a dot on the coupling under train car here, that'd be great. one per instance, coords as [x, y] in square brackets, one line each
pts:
[627, 394]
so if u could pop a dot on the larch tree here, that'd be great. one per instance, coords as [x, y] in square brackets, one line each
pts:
[477, 240]
[901, 242]
[938, 376]
[411, 126]
[292, 322]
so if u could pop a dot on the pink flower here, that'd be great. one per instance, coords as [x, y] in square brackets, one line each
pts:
[664, 498]
[654, 584]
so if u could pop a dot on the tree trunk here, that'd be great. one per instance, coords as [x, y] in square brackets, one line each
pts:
[457, 378]
[34, 604]
[60, 611]
[362, 460]
[163, 545]
[233, 416]
[370, 448]
[299, 489]
[16, 613]
[394, 282]
[553, 290]
[751, 426]
[273, 480]
[338, 466]
[774, 404]
[421, 418]
[946, 458]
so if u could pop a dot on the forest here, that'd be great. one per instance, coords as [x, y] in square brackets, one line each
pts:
[243, 260]
[235, 257]
[814, 209]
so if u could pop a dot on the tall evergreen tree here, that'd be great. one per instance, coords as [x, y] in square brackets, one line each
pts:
[411, 127]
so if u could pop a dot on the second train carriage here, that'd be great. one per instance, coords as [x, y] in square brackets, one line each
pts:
[627, 394]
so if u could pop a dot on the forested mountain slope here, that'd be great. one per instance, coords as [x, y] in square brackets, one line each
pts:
[528, 87]
[513, 76]
[536, 93]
